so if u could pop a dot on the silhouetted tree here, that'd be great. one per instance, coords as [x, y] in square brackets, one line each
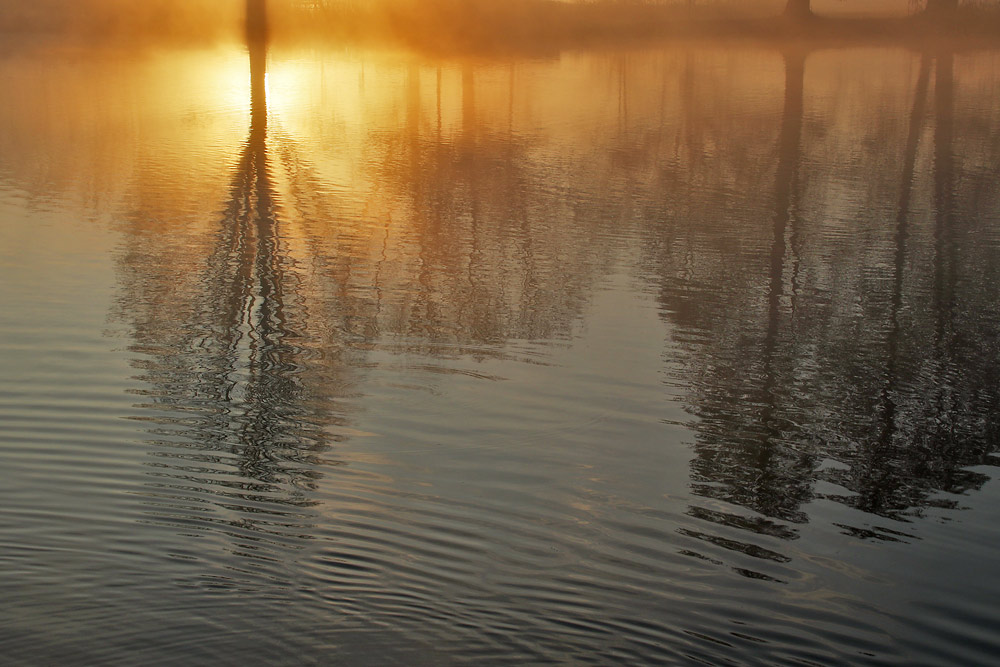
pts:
[256, 22]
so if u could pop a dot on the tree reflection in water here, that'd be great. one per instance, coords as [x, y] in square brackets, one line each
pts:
[831, 347]
[253, 357]
[244, 380]
[870, 364]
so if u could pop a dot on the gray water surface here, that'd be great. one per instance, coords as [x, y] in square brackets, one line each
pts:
[677, 355]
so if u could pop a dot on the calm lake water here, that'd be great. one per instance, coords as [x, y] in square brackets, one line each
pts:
[674, 355]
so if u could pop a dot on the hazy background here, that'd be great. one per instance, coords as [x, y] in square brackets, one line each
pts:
[199, 20]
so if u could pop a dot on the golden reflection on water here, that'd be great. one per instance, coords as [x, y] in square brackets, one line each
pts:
[184, 115]
[433, 186]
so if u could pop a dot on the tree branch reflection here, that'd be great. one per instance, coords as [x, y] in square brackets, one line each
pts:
[820, 393]
[833, 343]
[243, 388]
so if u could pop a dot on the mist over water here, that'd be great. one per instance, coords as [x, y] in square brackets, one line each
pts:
[370, 352]
[525, 27]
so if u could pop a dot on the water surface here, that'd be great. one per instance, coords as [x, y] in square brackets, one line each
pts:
[685, 354]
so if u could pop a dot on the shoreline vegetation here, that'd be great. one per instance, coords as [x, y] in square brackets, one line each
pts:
[527, 27]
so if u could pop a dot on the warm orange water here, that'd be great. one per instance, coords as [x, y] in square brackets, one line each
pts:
[663, 355]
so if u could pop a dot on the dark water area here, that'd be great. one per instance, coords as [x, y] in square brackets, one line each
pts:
[672, 355]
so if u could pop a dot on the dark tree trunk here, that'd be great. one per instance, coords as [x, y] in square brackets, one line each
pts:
[256, 17]
[785, 190]
[798, 9]
[944, 194]
[889, 428]
[256, 26]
